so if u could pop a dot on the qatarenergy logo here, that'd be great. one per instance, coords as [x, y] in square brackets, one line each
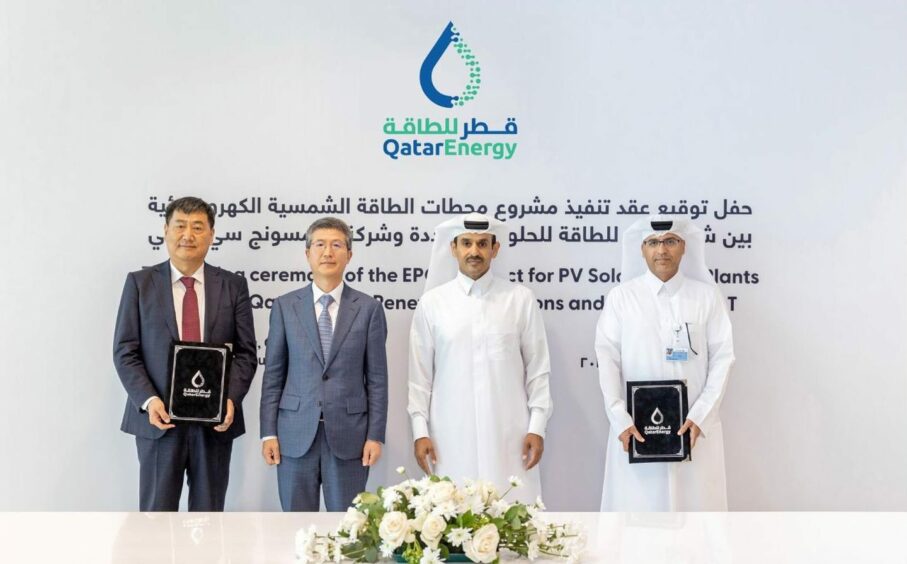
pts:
[449, 137]
[449, 36]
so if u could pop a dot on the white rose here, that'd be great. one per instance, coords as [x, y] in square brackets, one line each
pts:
[483, 547]
[439, 492]
[432, 529]
[416, 523]
[393, 528]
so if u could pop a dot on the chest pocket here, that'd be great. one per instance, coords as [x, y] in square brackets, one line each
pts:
[502, 345]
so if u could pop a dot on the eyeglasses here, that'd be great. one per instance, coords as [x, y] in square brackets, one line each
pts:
[321, 246]
[669, 243]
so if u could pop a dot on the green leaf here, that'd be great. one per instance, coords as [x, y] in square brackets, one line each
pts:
[350, 549]
[371, 554]
[368, 498]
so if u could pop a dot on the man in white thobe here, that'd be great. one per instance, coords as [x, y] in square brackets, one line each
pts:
[669, 302]
[478, 371]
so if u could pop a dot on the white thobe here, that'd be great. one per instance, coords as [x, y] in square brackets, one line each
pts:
[478, 379]
[636, 326]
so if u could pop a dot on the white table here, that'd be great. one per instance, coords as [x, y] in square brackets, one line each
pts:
[240, 538]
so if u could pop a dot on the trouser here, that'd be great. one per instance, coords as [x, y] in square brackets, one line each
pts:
[189, 450]
[300, 478]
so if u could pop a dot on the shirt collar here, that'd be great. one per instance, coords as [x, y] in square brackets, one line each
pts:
[335, 293]
[175, 274]
[474, 287]
[670, 287]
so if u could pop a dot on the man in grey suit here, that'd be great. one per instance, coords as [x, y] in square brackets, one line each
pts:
[182, 299]
[324, 390]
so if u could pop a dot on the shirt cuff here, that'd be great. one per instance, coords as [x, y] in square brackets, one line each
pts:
[537, 422]
[621, 421]
[147, 401]
[420, 427]
[268, 438]
[700, 416]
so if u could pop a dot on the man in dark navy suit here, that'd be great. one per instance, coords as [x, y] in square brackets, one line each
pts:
[324, 390]
[188, 300]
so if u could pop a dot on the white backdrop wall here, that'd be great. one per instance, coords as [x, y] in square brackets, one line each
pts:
[795, 110]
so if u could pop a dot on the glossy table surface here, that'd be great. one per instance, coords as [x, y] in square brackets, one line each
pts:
[613, 537]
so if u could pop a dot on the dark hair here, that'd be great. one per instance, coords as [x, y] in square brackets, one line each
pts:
[330, 223]
[189, 205]
[494, 238]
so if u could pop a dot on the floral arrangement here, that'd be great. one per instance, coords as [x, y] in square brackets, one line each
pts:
[431, 520]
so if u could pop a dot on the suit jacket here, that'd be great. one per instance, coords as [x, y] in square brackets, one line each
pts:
[349, 387]
[146, 327]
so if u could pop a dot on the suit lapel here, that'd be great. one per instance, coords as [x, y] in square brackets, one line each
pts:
[349, 308]
[213, 292]
[163, 287]
[305, 311]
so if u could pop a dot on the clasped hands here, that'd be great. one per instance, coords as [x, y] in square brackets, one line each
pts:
[688, 425]
[427, 455]
[158, 416]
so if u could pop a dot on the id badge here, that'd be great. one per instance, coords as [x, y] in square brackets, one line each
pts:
[676, 354]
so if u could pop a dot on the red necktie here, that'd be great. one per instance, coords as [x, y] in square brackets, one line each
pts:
[191, 330]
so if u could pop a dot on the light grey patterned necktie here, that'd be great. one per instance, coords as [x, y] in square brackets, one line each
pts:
[325, 329]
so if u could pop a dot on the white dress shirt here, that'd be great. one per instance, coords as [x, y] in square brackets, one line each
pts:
[334, 308]
[179, 292]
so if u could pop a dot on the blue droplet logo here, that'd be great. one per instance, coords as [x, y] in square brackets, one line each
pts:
[450, 36]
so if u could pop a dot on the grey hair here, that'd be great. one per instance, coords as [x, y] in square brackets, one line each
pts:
[330, 223]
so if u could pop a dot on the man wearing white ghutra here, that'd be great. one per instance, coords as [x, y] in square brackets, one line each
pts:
[666, 321]
[478, 366]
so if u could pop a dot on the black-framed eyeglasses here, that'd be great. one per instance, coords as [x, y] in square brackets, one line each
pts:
[670, 243]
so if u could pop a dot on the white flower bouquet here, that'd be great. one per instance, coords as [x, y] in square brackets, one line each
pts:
[432, 520]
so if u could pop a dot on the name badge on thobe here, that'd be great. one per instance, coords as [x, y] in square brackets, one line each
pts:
[677, 352]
